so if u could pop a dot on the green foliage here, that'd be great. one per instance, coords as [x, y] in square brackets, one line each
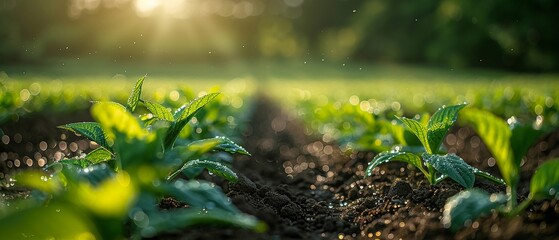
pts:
[135, 95]
[469, 205]
[452, 166]
[508, 144]
[183, 116]
[214, 167]
[133, 165]
[435, 167]
[545, 182]
[90, 130]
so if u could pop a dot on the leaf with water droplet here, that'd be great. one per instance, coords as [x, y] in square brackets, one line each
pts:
[545, 182]
[184, 114]
[469, 205]
[91, 130]
[496, 134]
[183, 218]
[385, 157]
[453, 166]
[440, 123]
[135, 95]
[229, 146]
[418, 130]
[199, 194]
[159, 111]
[217, 168]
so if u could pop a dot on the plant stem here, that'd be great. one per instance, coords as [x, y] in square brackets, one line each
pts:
[511, 193]
[432, 174]
[520, 208]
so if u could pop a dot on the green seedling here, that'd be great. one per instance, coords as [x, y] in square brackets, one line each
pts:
[435, 166]
[136, 165]
[167, 124]
[508, 142]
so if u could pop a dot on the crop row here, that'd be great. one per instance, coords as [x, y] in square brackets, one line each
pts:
[148, 142]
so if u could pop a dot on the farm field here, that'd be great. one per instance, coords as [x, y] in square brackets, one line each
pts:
[312, 131]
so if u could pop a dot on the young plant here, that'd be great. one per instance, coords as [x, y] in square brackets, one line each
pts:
[508, 142]
[435, 166]
[124, 179]
[167, 125]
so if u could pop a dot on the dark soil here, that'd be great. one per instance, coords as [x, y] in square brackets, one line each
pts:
[305, 188]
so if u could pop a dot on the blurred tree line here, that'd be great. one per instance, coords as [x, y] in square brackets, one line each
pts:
[518, 35]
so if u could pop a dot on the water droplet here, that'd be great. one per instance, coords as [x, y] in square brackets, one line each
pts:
[354, 10]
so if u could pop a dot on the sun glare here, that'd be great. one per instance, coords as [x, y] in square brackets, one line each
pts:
[146, 7]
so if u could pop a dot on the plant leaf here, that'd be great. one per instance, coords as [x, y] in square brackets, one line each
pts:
[95, 174]
[133, 145]
[227, 145]
[183, 218]
[523, 136]
[110, 195]
[39, 180]
[419, 131]
[91, 130]
[394, 156]
[81, 163]
[183, 115]
[488, 176]
[496, 135]
[186, 111]
[453, 166]
[135, 95]
[469, 205]
[159, 111]
[545, 182]
[99, 155]
[440, 123]
[200, 194]
[55, 221]
[214, 167]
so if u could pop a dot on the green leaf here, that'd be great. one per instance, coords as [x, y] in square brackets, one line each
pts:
[91, 130]
[545, 182]
[440, 123]
[453, 166]
[385, 157]
[159, 111]
[496, 135]
[419, 130]
[178, 156]
[214, 167]
[95, 174]
[188, 110]
[135, 95]
[522, 138]
[468, 205]
[99, 155]
[81, 163]
[184, 114]
[171, 221]
[38, 180]
[203, 146]
[488, 176]
[55, 221]
[227, 145]
[200, 194]
[132, 144]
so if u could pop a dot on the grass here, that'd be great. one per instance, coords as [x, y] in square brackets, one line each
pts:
[409, 86]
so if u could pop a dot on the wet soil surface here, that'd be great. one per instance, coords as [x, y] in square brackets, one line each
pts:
[306, 188]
